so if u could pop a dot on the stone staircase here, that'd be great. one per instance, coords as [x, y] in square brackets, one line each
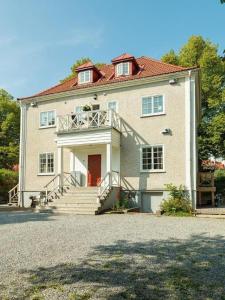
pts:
[76, 200]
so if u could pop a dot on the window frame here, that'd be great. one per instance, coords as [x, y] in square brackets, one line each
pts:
[121, 73]
[47, 126]
[163, 112]
[39, 169]
[112, 101]
[85, 81]
[163, 170]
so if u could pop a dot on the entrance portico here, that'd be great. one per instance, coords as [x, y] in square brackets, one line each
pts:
[92, 155]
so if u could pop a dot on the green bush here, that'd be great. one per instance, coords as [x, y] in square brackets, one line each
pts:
[122, 203]
[8, 179]
[220, 181]
[178, 202]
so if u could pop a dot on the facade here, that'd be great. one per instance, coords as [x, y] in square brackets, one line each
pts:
[131, 124]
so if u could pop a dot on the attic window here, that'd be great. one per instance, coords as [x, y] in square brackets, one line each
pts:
[122, 69]
[84, 76]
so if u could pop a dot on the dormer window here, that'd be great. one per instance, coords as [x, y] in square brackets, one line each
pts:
[84, 76]
[122, 69]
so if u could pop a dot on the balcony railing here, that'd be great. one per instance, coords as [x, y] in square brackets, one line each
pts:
[88, 120]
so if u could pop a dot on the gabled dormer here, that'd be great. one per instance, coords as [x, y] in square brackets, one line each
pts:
[87, 73]
[125, 65]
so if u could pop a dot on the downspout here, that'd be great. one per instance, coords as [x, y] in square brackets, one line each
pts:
[22, 153]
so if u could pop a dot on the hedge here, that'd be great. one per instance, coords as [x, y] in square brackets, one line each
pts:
[8, 179]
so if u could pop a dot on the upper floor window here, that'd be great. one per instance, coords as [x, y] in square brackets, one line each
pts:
[46, 163]
[84, 76]
[152, 158]
[122, 69]
[153, 105]
[112, 105]
[47, 119]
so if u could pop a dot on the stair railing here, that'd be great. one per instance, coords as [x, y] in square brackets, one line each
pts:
[52, 187]
[58, 183]
[13, 195]
[111, 179]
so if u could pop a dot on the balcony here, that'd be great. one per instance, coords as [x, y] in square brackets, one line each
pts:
[88, 120]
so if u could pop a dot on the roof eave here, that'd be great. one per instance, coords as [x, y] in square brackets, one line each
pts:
[109, 85]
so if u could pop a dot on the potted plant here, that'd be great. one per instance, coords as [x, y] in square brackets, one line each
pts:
[86, 107]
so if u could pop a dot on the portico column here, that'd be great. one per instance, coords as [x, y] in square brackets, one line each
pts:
[60, 166]
[109, 161]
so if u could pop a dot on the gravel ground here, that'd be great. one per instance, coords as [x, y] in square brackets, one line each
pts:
[136, 256]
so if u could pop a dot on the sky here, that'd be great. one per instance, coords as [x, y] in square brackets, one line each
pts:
[40, 40]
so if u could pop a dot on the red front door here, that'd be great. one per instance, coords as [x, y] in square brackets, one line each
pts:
[94, 169]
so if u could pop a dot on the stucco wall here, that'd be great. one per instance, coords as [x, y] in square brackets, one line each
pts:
[136, 131]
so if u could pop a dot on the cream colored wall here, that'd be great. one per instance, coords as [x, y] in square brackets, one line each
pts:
[136, 131]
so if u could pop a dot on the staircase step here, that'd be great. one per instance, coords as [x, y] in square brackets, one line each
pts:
[76, 211]
[75, 205]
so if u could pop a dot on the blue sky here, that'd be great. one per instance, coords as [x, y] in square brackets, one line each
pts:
[40, 40]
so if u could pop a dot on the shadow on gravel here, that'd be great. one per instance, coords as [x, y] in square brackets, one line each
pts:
[158, 269]
[23, 217]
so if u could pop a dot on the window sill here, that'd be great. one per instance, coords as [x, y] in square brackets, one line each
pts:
[46, 174]
[44, 127]
[152, 171]
[153, 115]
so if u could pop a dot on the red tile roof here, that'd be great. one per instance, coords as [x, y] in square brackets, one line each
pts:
[122, 57]
[86, 65]
[147, 67]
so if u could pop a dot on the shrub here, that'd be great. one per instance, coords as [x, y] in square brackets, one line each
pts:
[8, 179]
[178, 202]
[122, 203]
[220, 181]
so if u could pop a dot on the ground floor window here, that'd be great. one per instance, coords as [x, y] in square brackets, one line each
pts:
[152, 158]
[46, 163]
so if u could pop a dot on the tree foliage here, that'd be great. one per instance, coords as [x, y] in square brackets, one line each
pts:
[204, 54]
[78, 63]
[9, 130]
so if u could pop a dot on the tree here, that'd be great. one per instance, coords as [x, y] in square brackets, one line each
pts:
[204, 54]
[78, 63]
[9, 130]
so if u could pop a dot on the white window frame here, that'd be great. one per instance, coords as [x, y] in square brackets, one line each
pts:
[47, 111]
[112, 101]
[85, 81]
[46, 173]
[153, 114]
[163, 157]
[121, 73]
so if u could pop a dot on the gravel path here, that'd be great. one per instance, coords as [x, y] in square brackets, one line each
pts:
[135, 256]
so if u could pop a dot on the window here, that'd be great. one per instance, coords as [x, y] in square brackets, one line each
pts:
[47, 118]
[153, 105]
[84, 76]
[112, 105]
[122, 69]
[46, 163]
[152, 158]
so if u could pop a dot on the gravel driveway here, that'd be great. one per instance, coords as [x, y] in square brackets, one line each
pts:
[135, 256]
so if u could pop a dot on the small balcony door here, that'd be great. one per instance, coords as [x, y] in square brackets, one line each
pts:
[94, 169]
